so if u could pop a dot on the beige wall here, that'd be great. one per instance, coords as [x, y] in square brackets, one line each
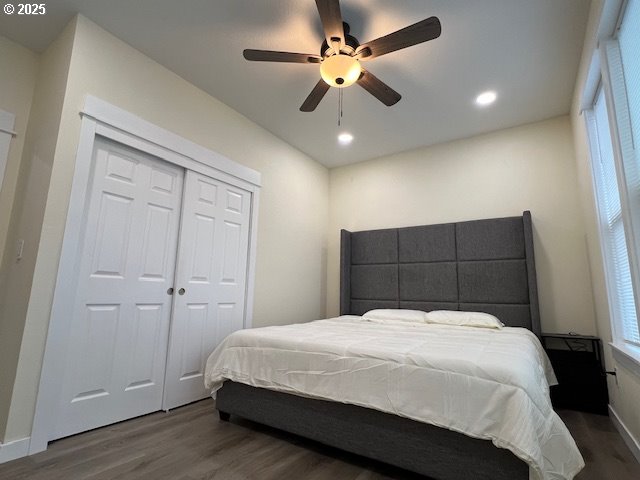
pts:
[499, 174]
[502, 173]
[292, 225]
[26, 218]
[19, 67]
[624, 390]
[293, 214]
[18, 71]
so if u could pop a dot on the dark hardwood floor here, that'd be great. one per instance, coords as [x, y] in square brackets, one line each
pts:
[191, 443]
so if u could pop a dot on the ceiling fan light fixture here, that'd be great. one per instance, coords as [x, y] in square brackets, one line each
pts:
[340, 70]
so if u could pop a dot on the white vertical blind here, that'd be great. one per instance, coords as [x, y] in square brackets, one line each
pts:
[624, 65]
[629, 38]
[617, 259]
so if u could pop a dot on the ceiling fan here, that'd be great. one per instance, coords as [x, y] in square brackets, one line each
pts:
[341, 53]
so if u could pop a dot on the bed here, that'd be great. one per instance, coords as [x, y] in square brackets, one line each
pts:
[482, 424]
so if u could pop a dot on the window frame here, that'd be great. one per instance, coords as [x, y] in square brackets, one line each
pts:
[621, 137]
[607, 64]
[603, 222]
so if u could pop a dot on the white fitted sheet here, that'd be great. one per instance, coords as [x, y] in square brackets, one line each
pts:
[485, 383]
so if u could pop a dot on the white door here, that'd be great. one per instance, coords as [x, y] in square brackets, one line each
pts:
[117, 347]
[210, 284]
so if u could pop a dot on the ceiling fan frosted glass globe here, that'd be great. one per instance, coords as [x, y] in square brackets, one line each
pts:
[340, 70]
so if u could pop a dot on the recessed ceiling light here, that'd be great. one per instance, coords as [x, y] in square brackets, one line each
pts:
[345, 138]
[486, 98]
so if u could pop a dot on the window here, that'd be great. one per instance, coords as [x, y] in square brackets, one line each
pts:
[612, 226]
[614, 134]
[629, 38]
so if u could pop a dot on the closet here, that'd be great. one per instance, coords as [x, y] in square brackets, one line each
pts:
[160, 280]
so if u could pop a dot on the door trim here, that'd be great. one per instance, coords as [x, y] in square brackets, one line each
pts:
[7, 124]
[100, 118]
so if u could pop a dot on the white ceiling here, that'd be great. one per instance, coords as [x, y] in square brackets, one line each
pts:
[526, 50]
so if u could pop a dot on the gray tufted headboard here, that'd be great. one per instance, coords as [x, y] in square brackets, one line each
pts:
[481, 265]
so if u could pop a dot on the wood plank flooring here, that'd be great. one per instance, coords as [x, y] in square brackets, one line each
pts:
[191, 443]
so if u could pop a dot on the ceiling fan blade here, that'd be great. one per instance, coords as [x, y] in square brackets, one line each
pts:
[331, 19]
[423, 31]
[378, 88]
[312, 101]
[273, 56]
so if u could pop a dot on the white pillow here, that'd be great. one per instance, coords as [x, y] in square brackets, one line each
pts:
[466, 319]
[395, 314]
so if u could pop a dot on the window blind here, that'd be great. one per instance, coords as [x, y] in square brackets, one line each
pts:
[629, 39]
[615, 244]
[629, 89]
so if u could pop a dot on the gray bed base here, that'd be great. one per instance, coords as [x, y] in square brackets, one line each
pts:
[418, 447]
[481, 265]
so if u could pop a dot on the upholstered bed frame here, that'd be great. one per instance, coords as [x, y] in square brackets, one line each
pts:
[481, 265]
[477, 266]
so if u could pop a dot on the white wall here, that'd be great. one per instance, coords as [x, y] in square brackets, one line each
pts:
[499, 174]
[28, 210]
[17, 82]
[624, 390]
[292, 225]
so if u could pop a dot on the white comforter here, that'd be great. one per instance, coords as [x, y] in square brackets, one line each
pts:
[485, 383]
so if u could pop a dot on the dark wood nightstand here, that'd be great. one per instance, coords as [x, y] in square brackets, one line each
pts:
[577, 362]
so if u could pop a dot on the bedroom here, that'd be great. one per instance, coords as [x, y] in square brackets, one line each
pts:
[541, 165]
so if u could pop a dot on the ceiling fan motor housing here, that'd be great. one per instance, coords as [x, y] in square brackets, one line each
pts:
[350, 44]
[340, 69]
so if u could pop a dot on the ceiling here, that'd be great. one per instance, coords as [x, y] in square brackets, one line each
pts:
[526, 50]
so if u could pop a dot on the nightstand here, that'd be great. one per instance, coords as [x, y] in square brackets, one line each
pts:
[577, 362]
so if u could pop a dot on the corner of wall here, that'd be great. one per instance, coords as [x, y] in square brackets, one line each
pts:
[17, 86]
[26, 221]
[289, 267]
[624, 391]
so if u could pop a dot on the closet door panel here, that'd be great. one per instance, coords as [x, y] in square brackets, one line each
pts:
[211, 270]
[118, 340]
[145, 345]
[233, 269]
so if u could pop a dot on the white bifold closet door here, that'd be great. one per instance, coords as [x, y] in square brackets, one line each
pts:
[117, 345]
[210, 281]
[160, 281]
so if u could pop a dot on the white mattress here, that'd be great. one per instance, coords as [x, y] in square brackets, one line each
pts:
[485, 383]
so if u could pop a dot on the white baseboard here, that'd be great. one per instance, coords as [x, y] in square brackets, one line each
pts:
[12, 450]
[628, 438]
